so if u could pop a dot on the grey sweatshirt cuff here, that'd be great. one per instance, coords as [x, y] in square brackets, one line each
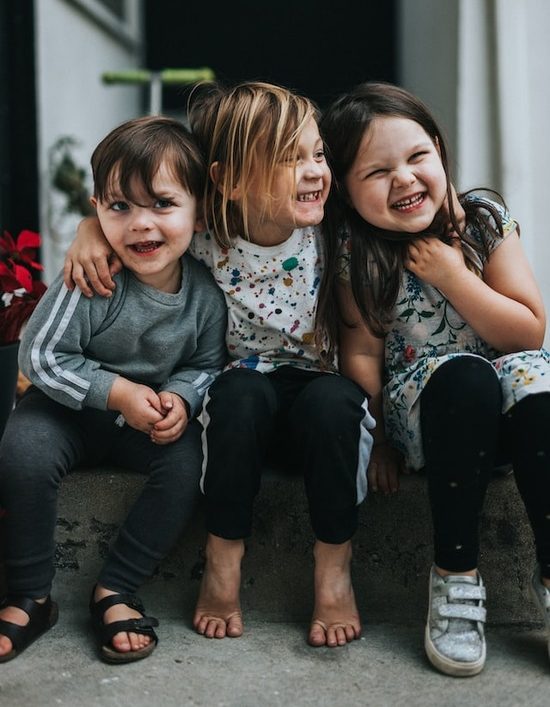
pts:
[100, 387]
[188, 393]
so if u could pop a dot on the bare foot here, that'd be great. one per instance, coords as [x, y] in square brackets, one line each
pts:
[218, 610]
[14, 616]
[122, 642]
[335, 619]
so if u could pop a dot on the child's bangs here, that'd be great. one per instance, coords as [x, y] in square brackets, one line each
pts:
[278, 142]
[137, 174]
[133, 176]
[130, 178]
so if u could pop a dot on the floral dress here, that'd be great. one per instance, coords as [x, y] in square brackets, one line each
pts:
[426, 332]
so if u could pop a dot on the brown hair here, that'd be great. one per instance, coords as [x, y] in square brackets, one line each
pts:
[247, 130]
[377, 256]
[136, 149]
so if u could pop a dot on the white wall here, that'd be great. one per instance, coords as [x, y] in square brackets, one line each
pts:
[484, 68]
[428, 41]
[536, 136]
[72, 51]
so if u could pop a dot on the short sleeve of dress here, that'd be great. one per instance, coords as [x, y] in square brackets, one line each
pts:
[492, 237]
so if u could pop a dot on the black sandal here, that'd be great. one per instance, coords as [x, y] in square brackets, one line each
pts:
[41, 618]
[105, 632]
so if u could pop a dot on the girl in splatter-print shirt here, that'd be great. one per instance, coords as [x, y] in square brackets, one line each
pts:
[271, 293]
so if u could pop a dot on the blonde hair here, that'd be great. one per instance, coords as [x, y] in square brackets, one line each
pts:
[248, 130]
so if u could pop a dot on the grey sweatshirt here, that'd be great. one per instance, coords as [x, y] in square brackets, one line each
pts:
[73, 347]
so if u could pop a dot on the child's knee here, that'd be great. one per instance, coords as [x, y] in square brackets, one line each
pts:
[332, 401]
[241, 392]
[465, 381]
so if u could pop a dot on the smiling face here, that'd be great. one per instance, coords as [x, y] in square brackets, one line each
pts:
[397, 181]
[151, 234]
[299, 191]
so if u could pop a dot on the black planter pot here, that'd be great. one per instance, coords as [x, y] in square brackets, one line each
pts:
[8, 381]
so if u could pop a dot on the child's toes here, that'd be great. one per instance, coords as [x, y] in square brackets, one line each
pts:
[138, 641]
[122, 643]
[235, 626]
[215, 628]
[317, 635]
[5, 645]
[352, 633]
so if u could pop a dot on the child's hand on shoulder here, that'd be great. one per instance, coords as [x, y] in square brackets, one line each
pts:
[386, 463]
[90, 263]
[175, 419]
[434, 261]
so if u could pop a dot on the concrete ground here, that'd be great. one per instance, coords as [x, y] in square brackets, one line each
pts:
[271, 665]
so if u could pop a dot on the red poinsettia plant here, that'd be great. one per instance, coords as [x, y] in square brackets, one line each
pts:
[20, 288]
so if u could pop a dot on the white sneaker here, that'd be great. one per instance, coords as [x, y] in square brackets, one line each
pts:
[455, 639]
[541, 597]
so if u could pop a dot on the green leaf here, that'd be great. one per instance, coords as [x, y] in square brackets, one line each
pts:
[440, 328]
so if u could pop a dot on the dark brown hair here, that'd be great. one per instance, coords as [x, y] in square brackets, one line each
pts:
[135, 150]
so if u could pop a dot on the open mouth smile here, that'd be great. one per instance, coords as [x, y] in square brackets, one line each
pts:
[310, 196]
[410, 203]
[146, 246]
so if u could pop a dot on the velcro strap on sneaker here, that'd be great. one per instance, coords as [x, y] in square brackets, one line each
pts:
[462, 611]
[458, 592]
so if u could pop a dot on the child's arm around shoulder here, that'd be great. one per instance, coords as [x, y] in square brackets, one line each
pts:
[504, 307]
[361, 358]
[90, 262]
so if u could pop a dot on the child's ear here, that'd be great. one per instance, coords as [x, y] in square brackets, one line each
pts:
[216, 175]
[437, 146]
[200, 218]
[93, 202]
[200, 224]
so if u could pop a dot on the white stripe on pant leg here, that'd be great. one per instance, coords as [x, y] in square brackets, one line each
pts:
[204, 419]
[364, 453]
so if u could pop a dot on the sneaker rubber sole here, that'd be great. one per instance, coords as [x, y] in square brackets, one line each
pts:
[451, 667]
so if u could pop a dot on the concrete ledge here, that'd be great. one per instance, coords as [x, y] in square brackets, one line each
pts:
[392, 555]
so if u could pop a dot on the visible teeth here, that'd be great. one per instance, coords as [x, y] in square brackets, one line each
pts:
[311, 196]
[146, 247]
[406, 203]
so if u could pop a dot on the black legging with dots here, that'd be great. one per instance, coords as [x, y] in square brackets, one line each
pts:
[463, 432]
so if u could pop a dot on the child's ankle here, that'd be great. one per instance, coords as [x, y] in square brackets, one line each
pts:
[445, 573]
[217, 547]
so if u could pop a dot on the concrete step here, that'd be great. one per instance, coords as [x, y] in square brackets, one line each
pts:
[392, 550]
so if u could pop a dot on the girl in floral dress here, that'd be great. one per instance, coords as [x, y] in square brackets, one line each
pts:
[441, 322]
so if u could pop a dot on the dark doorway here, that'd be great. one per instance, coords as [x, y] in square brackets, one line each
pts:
[18, 144]
[318, 48]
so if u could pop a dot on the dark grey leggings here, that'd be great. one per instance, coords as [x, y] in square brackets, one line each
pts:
[463, 434]
[42, 443]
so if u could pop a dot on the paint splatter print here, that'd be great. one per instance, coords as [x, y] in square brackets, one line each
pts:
[271, 294]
